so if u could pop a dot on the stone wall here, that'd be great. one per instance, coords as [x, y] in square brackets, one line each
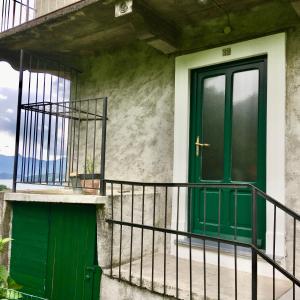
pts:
[46, 6]
[139, 84]
[5, 225]
[293, 138]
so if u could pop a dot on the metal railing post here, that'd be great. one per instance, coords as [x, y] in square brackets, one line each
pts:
[103, 149]
[18, 125]
[254, 243]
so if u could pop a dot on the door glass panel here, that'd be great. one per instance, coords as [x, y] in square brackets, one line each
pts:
[244, 125]
[213, 112]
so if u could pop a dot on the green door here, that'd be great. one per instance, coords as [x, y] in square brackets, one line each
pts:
[54, 250]
[227, 146]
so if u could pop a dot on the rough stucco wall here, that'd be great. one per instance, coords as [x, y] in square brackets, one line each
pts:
[293, 138]
[5, 226]
[46, 6]
[139, 84]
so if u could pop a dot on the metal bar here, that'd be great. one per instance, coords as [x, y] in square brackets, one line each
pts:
[42, 134]
[289, 276]
[204, 242]
[275, 202]
[18, 125]
[121, 232]
[78, 146]
[186, 185]
[56, 129]
[74, 128]
[63, 129]
[165, 240]
[254, 243]
[35, 128]
[86, 145]
[49, 132]
[177, 228]
[219, 231]
[153, 238]
[112, 230]
[24, 154]
[235, 247]
[274, 255]
[8, 15]
[142, 237]
[131, 232]
[180, 233]
[190, 242]
[294, 256]
[94, 141]
[103, 149]
[21, 8]
[30, 133]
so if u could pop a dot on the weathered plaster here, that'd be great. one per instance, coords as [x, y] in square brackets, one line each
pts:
[46, 6]
[104, 230]
[5, 226]
[293, 137]
[139, 84]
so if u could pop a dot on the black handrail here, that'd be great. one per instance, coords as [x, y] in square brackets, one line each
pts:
[124, 216]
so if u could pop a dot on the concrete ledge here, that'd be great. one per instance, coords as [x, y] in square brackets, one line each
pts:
[56, 198]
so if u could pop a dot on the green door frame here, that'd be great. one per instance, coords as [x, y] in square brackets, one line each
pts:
[195, 163]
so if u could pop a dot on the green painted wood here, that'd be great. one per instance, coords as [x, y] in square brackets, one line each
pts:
[30, 229]
[71, 252]
[227, 222]
[54, 250]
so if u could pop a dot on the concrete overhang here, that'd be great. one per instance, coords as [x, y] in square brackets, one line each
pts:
[171, 26]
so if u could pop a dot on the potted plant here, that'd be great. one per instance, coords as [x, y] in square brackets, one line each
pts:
[88, 182]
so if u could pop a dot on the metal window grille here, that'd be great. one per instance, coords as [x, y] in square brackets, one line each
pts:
[60, 139]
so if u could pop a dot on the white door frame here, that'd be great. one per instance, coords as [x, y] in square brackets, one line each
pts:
[274, 46]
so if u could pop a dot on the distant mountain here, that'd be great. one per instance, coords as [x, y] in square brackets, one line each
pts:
[7, 163]
[6, 166]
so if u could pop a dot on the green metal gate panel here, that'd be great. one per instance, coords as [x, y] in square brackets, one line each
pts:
[30, 228]
[71, 252]
[54, 250]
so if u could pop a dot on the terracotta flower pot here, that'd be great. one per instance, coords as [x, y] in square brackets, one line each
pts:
[88, 183]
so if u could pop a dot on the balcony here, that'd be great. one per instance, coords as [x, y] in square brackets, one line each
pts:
[61, 138]
[15, 13]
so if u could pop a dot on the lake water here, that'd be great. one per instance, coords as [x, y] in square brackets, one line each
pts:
[20, 186]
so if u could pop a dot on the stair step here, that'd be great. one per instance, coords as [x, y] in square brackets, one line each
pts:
[227, 279]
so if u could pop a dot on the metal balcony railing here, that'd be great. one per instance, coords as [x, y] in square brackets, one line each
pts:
[15, 13]
[60, 139]
[142, 226]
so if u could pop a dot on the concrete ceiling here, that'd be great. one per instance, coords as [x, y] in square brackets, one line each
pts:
[171, 26]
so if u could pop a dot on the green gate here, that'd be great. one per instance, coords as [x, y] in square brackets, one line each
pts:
[54, 250]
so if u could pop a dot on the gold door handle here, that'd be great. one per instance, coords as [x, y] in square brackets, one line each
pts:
[198, 145]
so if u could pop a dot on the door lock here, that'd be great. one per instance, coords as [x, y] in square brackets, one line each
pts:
[198, 145]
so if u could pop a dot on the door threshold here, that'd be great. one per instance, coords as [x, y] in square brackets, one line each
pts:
[213, 246]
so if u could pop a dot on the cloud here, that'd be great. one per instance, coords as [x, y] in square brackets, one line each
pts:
[6, 119]
[3, 97]
[10, 111]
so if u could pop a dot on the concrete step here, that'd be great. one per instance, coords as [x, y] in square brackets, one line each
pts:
[227, 276]
[289, 294]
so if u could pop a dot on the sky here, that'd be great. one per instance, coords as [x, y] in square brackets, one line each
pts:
[40, 87]
[9, 79]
